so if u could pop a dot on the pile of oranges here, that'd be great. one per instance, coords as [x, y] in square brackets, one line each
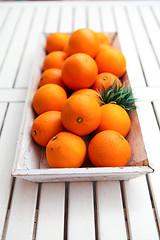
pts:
[69, 105]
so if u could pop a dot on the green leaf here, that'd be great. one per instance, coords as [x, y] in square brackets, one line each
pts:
[122, 96]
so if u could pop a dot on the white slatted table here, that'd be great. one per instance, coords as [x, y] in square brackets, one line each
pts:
[93, 210]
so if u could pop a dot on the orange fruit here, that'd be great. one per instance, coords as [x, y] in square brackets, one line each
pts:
[54, 60]
[103, 38]
[109, 149]
[81, 114]
[52, 75]
[111, 60]
[79, 71]
[114, 117]
[83, 40]
[49, 97]
[107, 79]
[46, 126]
[90, 92]
[56, 41]
[104, 46]
[66, 150]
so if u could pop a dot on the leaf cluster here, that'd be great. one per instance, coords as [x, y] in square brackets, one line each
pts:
[120, 95]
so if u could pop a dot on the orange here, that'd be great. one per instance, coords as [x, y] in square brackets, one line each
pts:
[89, 92]
[79, 71]
[114, 117]
[52, 75]
[56, 41]
[104, 46]
[66, 150]
[54, 60]
[46, 126]
[81, 114]
[111, 60]
[83, 40]
[105, 79]
[49, 97]
[109, 149]
[103, 38]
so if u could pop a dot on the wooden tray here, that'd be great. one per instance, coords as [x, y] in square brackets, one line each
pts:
[30, 161]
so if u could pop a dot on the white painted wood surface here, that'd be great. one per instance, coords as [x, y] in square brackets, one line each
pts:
[23, 210]
[8, 141]
[81, 223]
[139, 210]
[26, 66]
[138, 25]
[51, 212]
[17, 44]
[7, 31]
[110, 212]
[13, 95]
[3, 108]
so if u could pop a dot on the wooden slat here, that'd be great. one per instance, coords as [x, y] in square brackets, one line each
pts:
[146, 93]
[152, 28]
[7, 32]
[152, 141]
[80, 18]
[52, 21]
[156, 10]
[150, 132]
[147, 56]
[8, 142]
[3, 14]
[81, 212]
[94, 18]
[12, 95]
[141, 220]
[26, 66]
[3, 107]
[111, 219]
[22, 212]
[66, 15]
[108, 24]
[51, 212]
[128, 48]
[13, 58]
[140, 212]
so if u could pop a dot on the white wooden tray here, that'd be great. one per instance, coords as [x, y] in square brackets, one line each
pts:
[30, 161]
